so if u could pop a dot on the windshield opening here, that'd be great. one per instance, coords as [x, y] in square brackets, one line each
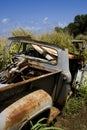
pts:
[33, 51]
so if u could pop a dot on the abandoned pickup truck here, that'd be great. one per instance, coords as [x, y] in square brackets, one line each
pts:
[40, 75]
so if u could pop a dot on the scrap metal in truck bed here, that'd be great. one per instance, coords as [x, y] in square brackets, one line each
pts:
[37, 78]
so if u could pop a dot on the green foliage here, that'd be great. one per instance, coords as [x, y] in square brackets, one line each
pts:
[83, 91]
[2, 45]
[2, 53]
[79, 26]
[73, 29]
[4, 56]
[81, 37]
[22, 32]
[77, 102]
[43, 126]
[73, 106]
[58, 29]
[60, 38]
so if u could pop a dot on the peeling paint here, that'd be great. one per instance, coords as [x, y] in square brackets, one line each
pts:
[24, 109]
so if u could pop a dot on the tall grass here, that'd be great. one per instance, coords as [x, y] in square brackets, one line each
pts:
[22, 32]
[2, 44]
[74, 114]
[61, 38]
[77, 102]
[2, 52]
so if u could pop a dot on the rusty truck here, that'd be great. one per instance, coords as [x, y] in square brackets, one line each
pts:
[38, 80]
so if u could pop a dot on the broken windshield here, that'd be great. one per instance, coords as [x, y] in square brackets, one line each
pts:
[35, 52]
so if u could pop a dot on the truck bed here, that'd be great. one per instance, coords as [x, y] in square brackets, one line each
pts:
[10, 93]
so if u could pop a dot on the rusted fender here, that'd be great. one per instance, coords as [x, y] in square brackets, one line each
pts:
[16, 115]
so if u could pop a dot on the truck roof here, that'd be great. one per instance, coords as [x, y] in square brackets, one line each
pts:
[29, 40]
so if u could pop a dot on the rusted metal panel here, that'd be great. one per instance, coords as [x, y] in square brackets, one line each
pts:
[54, 112]
[16, 115]
[73, 56]
[9, 86]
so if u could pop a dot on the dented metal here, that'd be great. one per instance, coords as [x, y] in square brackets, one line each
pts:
[16, 115]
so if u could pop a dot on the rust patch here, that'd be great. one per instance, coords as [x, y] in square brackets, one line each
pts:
[24, 107]
[54, 112]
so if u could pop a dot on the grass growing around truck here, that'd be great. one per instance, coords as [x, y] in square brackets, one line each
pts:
[74, 114]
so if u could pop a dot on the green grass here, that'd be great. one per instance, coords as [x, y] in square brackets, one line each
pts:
[74, 114]
[43, 126]
[77, 102]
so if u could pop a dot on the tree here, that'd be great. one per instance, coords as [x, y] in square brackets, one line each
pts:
[58, 29]
[79, 26]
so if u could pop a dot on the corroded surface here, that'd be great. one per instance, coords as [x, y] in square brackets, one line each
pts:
[20, 112]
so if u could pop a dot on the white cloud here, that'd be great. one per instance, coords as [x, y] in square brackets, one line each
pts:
[45, 20]
[32, 28]
[62, 25]
[5, 20]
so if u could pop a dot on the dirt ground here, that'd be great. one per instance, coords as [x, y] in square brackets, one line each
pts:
[74, 122]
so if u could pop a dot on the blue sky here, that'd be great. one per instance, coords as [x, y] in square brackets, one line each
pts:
[38, 16]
